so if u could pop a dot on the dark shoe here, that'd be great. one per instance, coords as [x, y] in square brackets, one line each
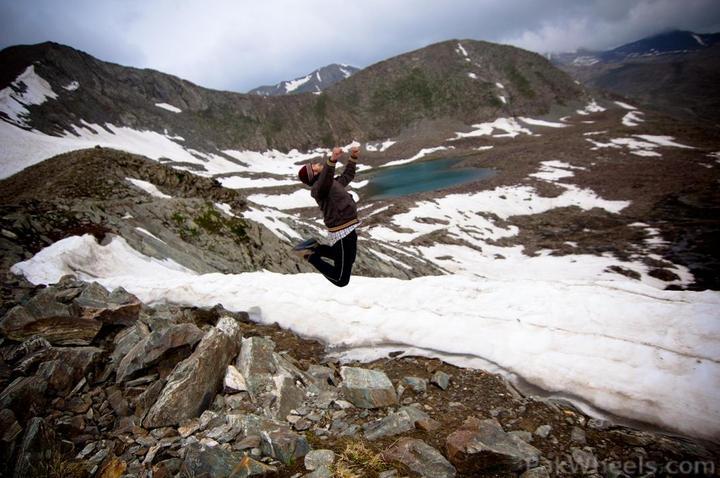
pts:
[306, 245]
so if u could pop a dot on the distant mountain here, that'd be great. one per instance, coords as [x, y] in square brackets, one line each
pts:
[314, 82]
[676, 42]
[57, 90]
[676, 72]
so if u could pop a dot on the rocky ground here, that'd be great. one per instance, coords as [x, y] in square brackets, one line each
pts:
[98, 384]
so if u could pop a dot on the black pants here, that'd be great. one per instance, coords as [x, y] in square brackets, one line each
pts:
[342, 255]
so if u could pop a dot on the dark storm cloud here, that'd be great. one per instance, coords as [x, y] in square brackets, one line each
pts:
[237, 45]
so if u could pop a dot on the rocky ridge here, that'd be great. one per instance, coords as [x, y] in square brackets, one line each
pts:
[95, 383]
[440, 82]
[88, 191]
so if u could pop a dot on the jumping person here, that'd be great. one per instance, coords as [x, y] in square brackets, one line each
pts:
[339, 214]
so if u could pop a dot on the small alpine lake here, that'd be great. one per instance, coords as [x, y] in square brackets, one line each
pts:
[418, 177]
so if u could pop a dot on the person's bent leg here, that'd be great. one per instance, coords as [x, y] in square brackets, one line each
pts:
[342, 253]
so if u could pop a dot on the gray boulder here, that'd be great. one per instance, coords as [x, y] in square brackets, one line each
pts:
[256, 363]
[420, 458]
[395, 423]
[151, 349]
[367, 388]
[194, 382]
[585, 460]
[284, 445]
[441, 379]
[318, 458]
[481, 444]
[539, 472]
[219, 463]
[416, 384]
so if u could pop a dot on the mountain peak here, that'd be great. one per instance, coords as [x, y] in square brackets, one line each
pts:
[313, 82]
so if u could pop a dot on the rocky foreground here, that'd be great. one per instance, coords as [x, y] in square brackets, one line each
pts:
[98, 384]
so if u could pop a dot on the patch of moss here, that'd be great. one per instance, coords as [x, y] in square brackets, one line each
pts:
[520, 82]
[213, 222]
[414, 89]
[178, 218]
[209, 219]
[320, 107]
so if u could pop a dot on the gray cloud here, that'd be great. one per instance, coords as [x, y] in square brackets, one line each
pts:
[240, 44]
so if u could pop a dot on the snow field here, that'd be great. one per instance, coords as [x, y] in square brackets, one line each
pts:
[623, 346]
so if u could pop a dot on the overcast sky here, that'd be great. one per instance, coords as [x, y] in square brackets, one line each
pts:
[240, 44]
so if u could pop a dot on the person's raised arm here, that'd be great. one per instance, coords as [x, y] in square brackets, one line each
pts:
[348, 173]
[322, 187]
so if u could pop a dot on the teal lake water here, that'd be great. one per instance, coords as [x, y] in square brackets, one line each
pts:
[420, 177]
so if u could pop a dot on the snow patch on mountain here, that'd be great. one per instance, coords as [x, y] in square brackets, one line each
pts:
[293, 85]
[420, 154]
[591, 107]
[297, 199]
[537, 122]
[379, 147]
[28, 89]
[625, 105]
[646, 146]
[148, 187]
[632, 118]
[510, 126]
[72, 86]
[171, 108]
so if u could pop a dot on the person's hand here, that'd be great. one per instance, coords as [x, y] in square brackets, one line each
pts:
[355, 152]
[336, 153]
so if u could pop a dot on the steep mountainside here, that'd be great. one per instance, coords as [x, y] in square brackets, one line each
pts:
[675, 73]
[314, 82]
[456, 80]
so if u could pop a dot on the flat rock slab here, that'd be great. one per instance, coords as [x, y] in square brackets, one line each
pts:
[420, 458]
[481, 444]
[366, 388]
[195, 381]
[70, 315]
[116, 307]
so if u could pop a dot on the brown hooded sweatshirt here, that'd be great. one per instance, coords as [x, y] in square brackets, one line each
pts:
[338, 206]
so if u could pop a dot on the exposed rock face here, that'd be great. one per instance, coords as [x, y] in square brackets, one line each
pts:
[150, 349]
[420, 458]
[367, 388]
[482, 444]
[194, 382]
